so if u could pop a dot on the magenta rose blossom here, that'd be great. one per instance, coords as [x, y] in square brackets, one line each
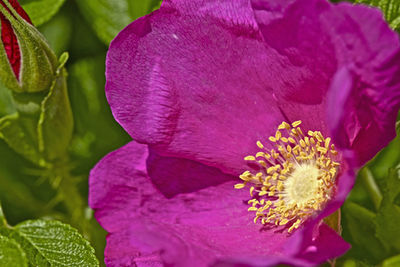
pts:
[249, 121]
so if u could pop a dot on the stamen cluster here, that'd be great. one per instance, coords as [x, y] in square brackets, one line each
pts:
[295, 180]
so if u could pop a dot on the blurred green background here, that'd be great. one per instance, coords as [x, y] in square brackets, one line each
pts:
[84, 28]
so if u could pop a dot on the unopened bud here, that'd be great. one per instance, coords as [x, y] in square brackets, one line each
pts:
[27, 64]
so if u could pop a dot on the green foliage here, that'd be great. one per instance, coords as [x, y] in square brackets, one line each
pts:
[55, 122]
[6, 102]
[360, 221]
[11, 253]
[87, 95]
[41, 11]
[371, 215]
[41, 126]
[58, 32]
[19, 133]
[45, 243]
[108, 17]
[388, 217]
[392, 262]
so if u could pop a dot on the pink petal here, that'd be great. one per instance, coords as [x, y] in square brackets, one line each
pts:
[323, 40]
[193, 229]
[193, 80]
[370, 51]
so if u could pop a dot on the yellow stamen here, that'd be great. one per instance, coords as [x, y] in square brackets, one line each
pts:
[239, 186]
[299, 175]
[250, 158]
[296, 123]
[260, 145]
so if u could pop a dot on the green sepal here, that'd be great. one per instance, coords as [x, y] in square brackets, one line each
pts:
[38, 62]
[7, 76]
[55, 124]
[41, 128]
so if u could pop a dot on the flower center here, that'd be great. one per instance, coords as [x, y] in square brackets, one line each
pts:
[295, 180]
[302, 184]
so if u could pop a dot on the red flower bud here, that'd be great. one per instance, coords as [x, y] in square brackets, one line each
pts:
[9, 38]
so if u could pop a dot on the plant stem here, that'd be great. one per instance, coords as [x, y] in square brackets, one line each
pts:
[3, 221]
[67, 188]
[374, 192]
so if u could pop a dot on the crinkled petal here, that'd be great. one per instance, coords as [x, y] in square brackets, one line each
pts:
[165, 175]
[261, 261]
[372, 55]
[323, 40]
[292, 29]
[185, 229]
[326, 244]
[120, 252]
[193, 80]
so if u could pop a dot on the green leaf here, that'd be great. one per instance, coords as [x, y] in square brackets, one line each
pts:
[368, 180]
[18, 134]
[138, 9]
[390, 9]
[388, 218]
[86, 82]
[58, 32]
[11, 253]
[360, 224]
[109, 17]
[41, 11]
[392, 262]
[16, 195]
[386, 159]
[52, 243]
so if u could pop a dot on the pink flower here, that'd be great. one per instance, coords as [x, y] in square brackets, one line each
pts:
[197, 84]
